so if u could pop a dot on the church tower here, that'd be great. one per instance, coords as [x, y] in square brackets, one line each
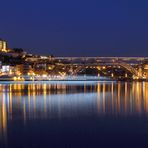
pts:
[3, 45]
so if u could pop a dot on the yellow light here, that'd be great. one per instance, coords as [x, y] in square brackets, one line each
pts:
[112, 75]
[44, 75]
[50, 68]
[14, 78]
[10, 72]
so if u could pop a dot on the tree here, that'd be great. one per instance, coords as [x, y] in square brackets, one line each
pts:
[18, 50]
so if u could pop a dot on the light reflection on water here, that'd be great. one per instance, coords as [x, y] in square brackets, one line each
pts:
[31, 101]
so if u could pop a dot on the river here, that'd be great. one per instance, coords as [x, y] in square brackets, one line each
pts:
[75, 114]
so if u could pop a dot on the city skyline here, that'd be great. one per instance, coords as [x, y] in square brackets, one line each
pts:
[18, 65]
[76, 28]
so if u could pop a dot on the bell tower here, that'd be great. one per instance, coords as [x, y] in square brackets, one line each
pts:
[3, 45]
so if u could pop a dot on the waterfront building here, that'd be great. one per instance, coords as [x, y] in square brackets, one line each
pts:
[19, 69]
[145, 70]
[27, 69]
[7, 70]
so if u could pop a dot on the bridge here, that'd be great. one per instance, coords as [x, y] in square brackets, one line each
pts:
[129, 64]
[106, 66]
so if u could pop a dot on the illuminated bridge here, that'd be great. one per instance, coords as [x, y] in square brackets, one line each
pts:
[109, 65]
[115, 67]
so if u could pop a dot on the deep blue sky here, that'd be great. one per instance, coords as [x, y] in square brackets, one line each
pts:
[76, 27]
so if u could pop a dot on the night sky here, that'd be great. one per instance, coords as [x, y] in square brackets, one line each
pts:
[76, 27]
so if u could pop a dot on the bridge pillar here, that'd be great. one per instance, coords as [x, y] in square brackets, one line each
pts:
[140, 72]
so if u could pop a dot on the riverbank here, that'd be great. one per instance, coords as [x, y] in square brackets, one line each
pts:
[66, 78]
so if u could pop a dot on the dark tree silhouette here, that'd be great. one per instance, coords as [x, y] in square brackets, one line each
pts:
[18, 50]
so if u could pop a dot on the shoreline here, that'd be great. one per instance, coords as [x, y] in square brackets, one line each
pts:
[90, 80]
[8, 78]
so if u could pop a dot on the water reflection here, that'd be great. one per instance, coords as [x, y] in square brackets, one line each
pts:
[123, 98]
[36, 101]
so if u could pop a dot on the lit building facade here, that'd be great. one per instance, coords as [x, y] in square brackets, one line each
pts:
[145, 69]
[3, 45]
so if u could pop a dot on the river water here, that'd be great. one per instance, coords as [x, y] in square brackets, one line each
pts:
[75, 114]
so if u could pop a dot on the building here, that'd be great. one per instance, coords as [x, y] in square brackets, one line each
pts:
[3, 45]
[145, 69]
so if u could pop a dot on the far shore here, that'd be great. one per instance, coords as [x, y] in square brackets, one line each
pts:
[74, 80]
